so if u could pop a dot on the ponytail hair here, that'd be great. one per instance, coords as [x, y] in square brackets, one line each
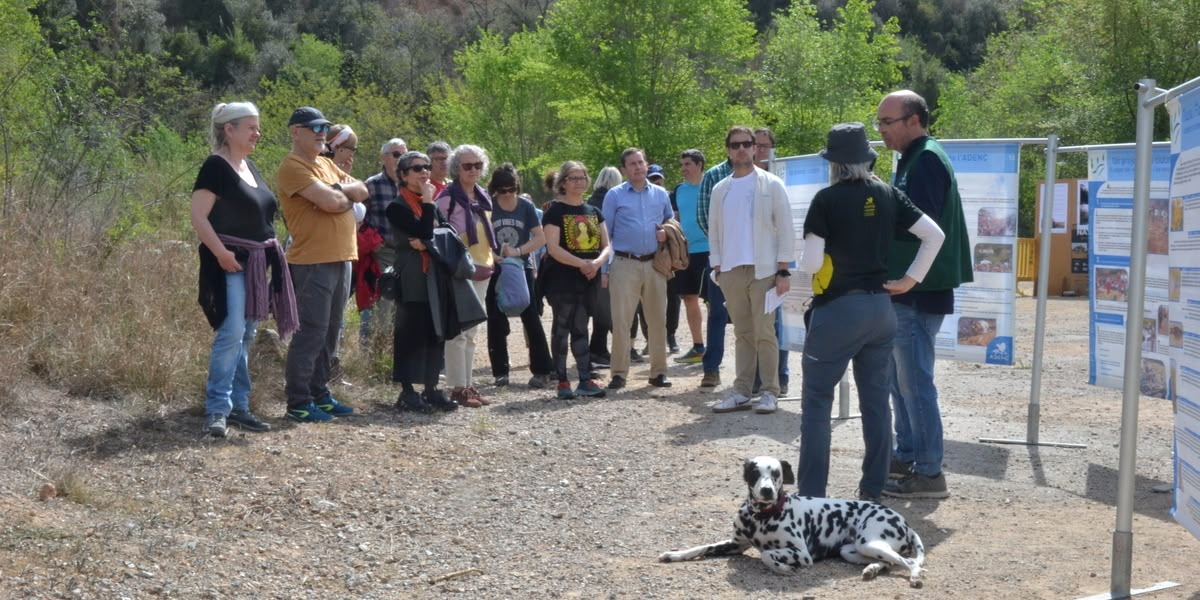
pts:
[224, 113]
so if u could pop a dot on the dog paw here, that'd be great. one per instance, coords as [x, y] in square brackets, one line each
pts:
[916, 583]
[871, 571]
[667, 557]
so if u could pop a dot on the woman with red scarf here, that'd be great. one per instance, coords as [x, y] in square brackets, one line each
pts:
[417, 354]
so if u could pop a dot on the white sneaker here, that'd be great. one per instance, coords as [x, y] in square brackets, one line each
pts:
[733, 401]
[767, 404]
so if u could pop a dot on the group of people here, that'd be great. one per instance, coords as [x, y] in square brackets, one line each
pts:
[884, 261]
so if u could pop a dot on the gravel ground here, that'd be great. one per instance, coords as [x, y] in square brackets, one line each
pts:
[539, 498]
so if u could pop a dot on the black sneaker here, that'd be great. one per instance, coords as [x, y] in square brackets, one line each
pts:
[672, 345]
[601, 362]
[244, 419]
[616, 383]
[635, 357]
[916, 485]
[898, 469]
[411, 400]
[438, 401]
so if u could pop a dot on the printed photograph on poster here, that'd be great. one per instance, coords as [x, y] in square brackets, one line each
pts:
[1156, 230]
[1111, 284]
[1174, 283]
[1154, 378]
[1176, 334]
[976, 332]
[993, 258]
[1149, 335]
[1164, 319]
[1081, 221]
[1176, 214]
[997, 221]
[1058, 216]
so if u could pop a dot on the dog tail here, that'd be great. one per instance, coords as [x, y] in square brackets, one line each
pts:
[918, 547]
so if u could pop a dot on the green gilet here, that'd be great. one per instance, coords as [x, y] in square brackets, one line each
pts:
[952, 267]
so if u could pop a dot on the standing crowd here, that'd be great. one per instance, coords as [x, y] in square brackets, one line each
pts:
[440, 245]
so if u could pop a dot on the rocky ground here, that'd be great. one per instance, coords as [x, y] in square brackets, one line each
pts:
[530, 498]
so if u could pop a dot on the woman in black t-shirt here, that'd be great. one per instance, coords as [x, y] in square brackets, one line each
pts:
[847, 235]
[233, 213]
[577, 246]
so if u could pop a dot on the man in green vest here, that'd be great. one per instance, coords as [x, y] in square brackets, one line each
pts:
[925, 174]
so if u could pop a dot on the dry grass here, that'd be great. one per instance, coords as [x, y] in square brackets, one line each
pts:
[97, 318]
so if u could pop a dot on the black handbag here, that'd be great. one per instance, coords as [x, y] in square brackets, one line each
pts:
[389, 284]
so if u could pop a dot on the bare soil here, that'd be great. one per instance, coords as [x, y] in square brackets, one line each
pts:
[534, 498]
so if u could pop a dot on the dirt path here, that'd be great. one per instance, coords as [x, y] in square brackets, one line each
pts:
[531, 498]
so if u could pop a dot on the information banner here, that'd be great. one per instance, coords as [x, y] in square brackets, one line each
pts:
[804, 176]
[981, 330]
[982, 327]
[1183, 292]
[1110, 175]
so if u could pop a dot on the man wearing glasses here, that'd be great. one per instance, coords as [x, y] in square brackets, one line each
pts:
[751, 243]
[317, 198]
[924, 173]
[634, 213]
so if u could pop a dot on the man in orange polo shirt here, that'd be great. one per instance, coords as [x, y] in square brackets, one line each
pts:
[317, 198]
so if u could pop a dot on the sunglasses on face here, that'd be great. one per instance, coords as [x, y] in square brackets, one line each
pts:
[475, 166]
[397, 154]
[506, 190]
[736, 145]
[417, 168]
[317, 128]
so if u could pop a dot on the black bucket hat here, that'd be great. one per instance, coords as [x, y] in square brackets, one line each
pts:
[847, 144]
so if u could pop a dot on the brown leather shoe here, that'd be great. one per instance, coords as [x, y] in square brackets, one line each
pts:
[461, 396]
[474, 393]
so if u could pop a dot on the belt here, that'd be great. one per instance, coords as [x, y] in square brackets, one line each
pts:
[642, 258]
[859, 292]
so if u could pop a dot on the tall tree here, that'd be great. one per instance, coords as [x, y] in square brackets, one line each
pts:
[813, 78]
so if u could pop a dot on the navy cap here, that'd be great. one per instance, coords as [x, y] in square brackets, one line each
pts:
[655, 171]
[307, 116]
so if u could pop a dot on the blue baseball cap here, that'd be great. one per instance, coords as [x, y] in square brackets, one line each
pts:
[655, 171]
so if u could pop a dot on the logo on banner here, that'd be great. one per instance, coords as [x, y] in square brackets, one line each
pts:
[1097, 166]
[999, 351]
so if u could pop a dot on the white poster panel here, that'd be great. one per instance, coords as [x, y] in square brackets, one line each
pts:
[982, 327]
[804, 176]
[1110, 175]
[1058, 219]
[1183, 293]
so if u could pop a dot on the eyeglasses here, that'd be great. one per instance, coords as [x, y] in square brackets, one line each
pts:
[475, 166]
[417, 168]
[506, 190]
[350, 148]
[577, 178]
[397, 154]
[889, 122]
[764, 146]
[736, 145]
[317, 128]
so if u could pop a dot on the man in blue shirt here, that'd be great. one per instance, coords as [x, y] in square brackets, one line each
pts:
[692, 281]
[634, 213]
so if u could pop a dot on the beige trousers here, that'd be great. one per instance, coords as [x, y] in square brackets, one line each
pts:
[755, 348]
[629, 282]
[460, 350]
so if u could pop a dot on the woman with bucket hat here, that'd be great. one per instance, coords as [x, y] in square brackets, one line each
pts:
[848, 233]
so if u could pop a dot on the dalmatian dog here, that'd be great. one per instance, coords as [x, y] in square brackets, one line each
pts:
[792, 531]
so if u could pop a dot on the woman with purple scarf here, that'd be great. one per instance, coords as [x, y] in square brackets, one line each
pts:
[468, 208]
[233, 212]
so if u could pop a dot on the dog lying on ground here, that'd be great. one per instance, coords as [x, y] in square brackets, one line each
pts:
[792, 531]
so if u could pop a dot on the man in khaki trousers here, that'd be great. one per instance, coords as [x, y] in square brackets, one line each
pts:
[634, 213]
[751, 242]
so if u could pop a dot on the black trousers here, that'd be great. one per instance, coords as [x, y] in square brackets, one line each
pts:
[417, 351]
[570, 331]
[498, 330]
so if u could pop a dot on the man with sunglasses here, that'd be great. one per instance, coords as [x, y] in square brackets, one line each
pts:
[923, 173]
[751, 242]
[317, 198]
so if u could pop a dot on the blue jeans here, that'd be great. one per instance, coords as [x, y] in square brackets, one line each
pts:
[718, 318]
[784, 371]
[914, 396]
[228, 386]
[859, 328]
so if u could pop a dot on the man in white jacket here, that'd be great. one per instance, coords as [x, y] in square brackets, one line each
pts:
[751, 242]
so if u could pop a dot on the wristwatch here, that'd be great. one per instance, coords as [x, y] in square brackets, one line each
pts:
[783, 273]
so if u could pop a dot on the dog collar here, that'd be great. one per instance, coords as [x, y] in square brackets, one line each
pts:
[774, 509]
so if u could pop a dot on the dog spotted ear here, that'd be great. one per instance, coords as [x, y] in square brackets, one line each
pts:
[788, 475]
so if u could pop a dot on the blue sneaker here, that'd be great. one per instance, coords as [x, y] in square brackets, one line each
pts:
[333, 407]
[308, 413]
